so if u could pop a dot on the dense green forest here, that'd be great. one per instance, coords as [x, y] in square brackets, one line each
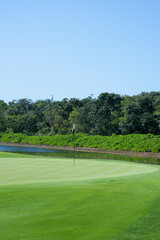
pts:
[106, 115]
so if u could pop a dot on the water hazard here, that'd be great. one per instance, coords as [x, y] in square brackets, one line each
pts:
[41, 151]
[10, 148]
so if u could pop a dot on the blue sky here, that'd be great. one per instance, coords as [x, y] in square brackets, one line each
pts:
[66, 48]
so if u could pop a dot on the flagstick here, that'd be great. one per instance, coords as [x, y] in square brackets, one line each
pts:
[74, 151]
[73, 131]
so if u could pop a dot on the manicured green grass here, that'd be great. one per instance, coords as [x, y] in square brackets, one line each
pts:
[51, 199]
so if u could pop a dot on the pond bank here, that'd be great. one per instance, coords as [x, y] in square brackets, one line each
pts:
[84, 149]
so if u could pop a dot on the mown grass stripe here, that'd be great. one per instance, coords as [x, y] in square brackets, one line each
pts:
[28, 170]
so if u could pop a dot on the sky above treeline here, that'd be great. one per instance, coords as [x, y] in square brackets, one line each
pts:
[67, 48]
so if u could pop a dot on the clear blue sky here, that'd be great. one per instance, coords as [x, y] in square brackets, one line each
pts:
[74, 48]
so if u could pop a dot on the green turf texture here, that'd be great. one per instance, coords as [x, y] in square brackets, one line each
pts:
[51, 199]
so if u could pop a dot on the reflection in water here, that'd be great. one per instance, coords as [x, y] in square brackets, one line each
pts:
[70, 154]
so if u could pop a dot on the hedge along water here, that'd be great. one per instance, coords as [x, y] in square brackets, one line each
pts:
[130, 142]
[71, 154]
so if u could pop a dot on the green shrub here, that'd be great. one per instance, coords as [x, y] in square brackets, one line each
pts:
[130, 142]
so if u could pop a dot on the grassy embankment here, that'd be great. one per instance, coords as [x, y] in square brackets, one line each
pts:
[44, 199]
[131, 142]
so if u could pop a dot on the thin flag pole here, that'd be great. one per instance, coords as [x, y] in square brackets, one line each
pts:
[74, 151]
[73, 131]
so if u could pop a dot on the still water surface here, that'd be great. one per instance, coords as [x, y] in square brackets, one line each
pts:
[7, 148]
[70, 154]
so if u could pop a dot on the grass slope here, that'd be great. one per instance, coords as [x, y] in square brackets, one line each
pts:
[147, 228]
[46, 199]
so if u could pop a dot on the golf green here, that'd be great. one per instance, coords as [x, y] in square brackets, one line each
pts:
[55, 199]
[22, 170]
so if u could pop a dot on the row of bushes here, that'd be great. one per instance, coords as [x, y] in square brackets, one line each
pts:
[131, 142]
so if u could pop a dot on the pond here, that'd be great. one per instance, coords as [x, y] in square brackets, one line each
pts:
[11, 148]
[77, 154]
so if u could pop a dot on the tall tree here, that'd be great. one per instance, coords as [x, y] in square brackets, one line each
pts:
[3, 108]
[109, 113]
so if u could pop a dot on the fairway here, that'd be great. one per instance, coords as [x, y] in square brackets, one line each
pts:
[46, 198]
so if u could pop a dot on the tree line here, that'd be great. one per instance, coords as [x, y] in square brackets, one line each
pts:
[105, 115]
